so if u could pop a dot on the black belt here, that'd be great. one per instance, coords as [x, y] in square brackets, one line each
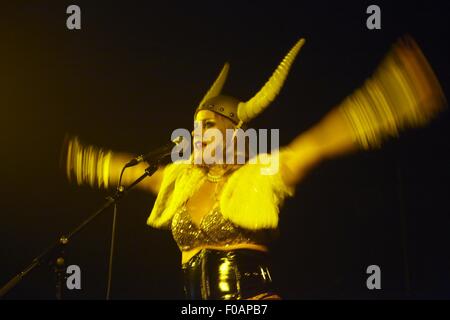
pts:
[224, 275]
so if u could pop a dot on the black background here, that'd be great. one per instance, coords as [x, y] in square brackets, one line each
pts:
[136, 71]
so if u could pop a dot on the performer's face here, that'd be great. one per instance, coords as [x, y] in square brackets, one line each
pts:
[204, 139]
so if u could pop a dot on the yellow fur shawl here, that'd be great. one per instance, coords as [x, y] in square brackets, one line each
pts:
[249, 199]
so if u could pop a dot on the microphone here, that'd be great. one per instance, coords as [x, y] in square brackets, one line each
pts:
[155, 155]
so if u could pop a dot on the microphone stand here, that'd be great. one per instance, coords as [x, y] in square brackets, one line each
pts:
[65, 239]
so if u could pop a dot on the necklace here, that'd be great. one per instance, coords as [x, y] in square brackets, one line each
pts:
[211, 177]
[214, 178]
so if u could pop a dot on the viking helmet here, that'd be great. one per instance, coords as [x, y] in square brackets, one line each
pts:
[242, 112]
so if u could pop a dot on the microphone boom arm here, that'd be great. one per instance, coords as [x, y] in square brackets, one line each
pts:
[64, 240]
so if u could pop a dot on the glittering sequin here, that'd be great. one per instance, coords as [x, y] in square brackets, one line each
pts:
[214, 229]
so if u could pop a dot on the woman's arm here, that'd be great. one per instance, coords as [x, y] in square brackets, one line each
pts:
[403, 92]
[330, 138]
[101, 168]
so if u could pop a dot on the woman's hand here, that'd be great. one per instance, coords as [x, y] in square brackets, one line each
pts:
[101, 168]
[402, 93]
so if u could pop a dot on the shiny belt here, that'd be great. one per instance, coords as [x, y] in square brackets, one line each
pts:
[224, 275]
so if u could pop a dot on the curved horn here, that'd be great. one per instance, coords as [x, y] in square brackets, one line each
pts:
[216, 87]
[250, 109]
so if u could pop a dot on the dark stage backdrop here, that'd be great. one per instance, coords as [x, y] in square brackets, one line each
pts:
[136, 71]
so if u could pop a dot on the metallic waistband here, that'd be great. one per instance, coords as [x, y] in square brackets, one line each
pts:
[223, 275]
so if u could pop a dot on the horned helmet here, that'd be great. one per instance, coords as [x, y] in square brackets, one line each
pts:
[240, 112]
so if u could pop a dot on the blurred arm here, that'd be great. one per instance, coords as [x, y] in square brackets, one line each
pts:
[100, 168]
[403, 92]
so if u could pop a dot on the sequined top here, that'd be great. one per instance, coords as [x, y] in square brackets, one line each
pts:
[250, 198]
[214, 229]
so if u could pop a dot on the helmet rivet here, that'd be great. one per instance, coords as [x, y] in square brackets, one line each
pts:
[221, 108]
[231, 114]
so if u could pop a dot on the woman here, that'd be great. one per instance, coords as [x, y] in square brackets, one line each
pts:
[222, 216]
